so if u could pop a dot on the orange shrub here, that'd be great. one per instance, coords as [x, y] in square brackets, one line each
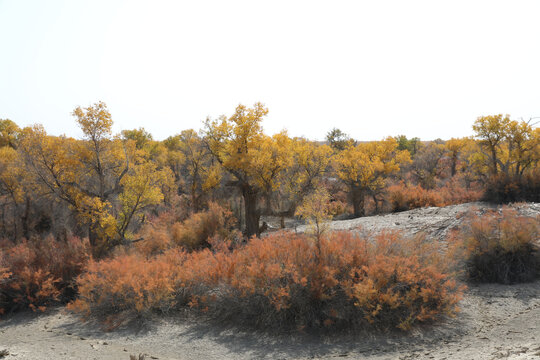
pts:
[503, 189]
[200, 230]
[282, 281]
[454, 192]
[499, 246]
[128, 286]
[154, 240]
[39, 272]
[195, 231]
[402, 197]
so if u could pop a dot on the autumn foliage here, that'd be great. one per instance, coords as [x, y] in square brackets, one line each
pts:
[197, 231]
[159, 241]
[499, 246]
[128, 286]
[402, 197]
[282, 281]
[39, 272]
[193, 232]
[503, 189]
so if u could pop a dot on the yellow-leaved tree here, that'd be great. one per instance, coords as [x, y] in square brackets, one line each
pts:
[310, 162]
[455, 147]
[507, 147]
[253, 160]
[317, 212]
[194, 168]
[15, 194]
[271, 158]
[9, 132]
[102, 178]
[365, 167]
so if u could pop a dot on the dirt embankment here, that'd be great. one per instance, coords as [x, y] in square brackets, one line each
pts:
[496, 322]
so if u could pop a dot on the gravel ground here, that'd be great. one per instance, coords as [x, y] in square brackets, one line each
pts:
[496, 322]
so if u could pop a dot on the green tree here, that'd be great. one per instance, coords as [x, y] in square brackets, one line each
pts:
[338, 140]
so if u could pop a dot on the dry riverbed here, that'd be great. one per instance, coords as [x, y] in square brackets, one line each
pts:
[496, 322]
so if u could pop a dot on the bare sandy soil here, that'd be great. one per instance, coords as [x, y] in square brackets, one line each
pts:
[496, 322]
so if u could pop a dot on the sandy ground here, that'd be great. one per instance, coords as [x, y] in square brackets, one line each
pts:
[496, 322]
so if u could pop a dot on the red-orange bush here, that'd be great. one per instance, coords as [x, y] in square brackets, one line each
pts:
[282, 281]
[154, 240]
[39, 271]
[402, 197]
[195, 232]
[406, 197]
[128, 286]
[498, 246]
[455, 191]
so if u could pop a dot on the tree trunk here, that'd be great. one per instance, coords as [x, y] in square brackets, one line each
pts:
[252, 215]
[494, 161]
[92, 237]
[268, 203]
[376, 201]
[97, 246]
[26, 219]
[453, 166]
[195, 203]
[357, 197]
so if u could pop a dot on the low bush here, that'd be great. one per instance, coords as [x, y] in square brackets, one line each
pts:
[41, 271]
[282, 281]
[195, 231]
[499, 246]
[200, 230]
[457, 191]
[402, 197]
[128, 287]
[504, 189]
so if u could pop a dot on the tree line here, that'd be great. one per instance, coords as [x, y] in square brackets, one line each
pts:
[105, 186]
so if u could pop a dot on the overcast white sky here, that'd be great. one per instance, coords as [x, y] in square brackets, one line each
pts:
[371, 68]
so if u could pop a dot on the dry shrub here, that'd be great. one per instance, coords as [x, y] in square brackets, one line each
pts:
[499, 246]
[281, 281]
[195, 231]
[41, 271]
[455, 192]
[128, 287]
[154, 240]
[504, 189]
[404, 197]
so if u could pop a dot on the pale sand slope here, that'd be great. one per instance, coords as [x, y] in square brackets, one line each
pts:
[496, 322]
